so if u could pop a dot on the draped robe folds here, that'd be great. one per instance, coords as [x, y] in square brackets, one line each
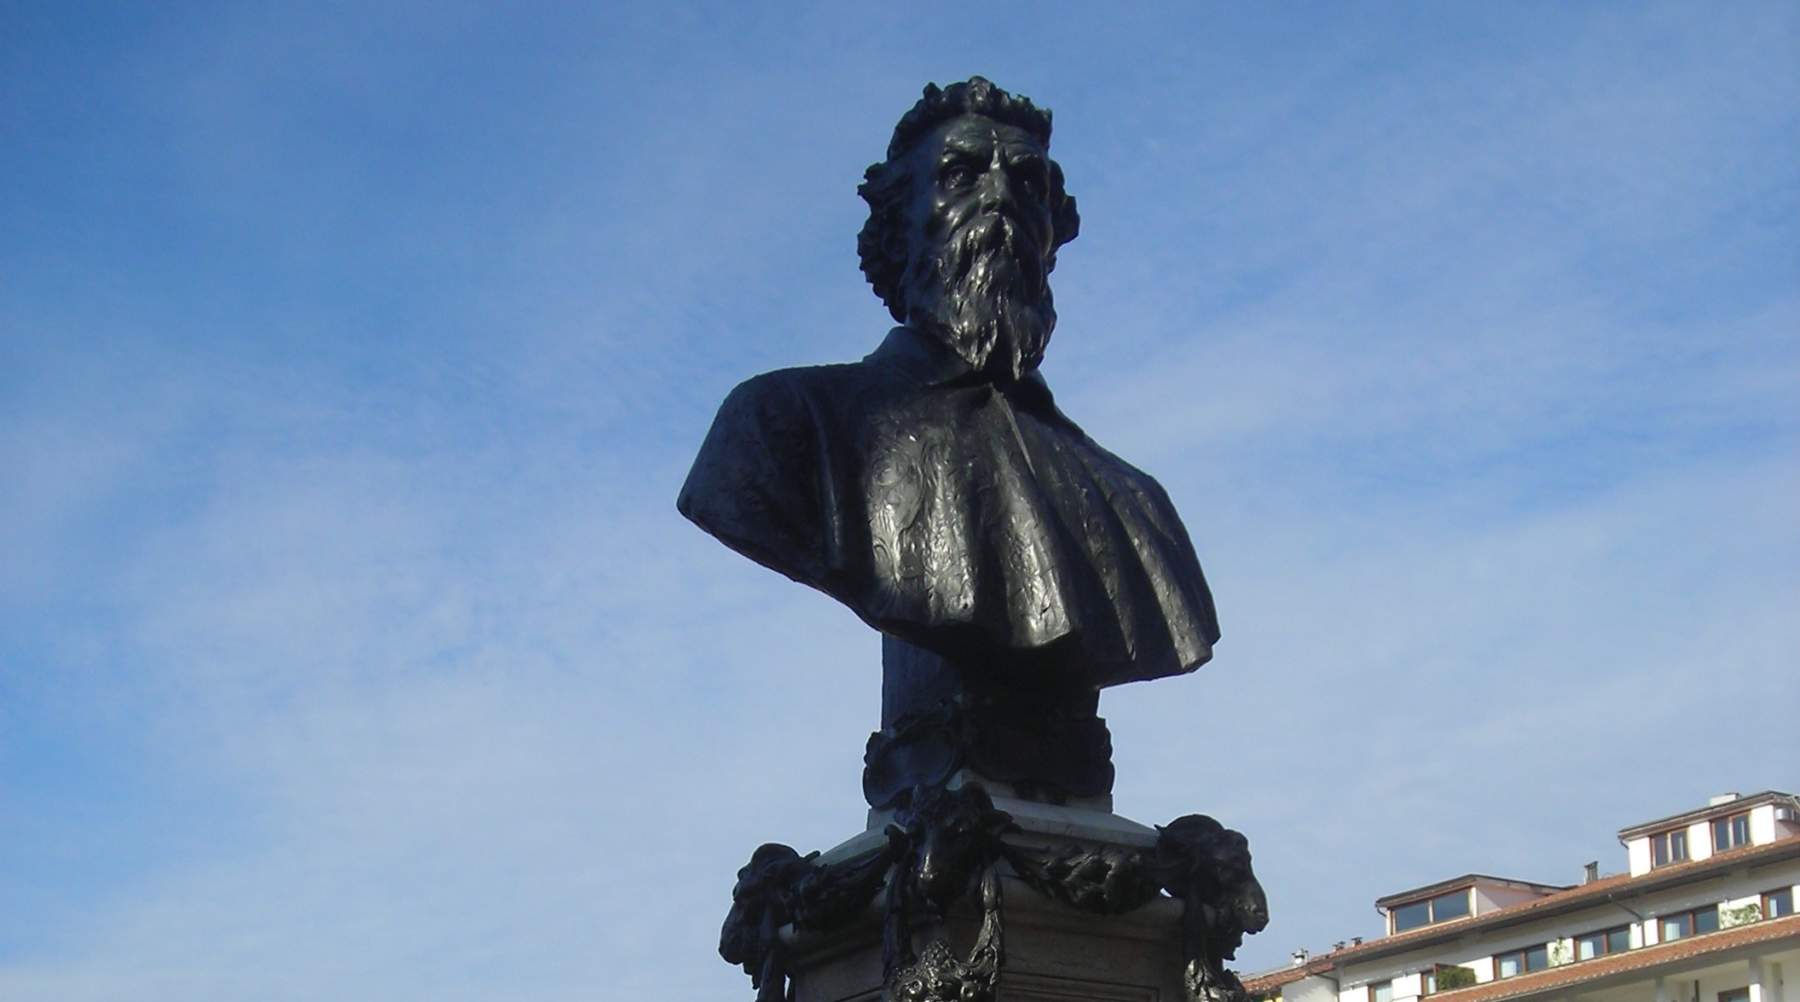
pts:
[968, 518]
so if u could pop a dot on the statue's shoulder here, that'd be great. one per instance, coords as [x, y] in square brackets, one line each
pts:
[771, 426]
[808, 393]
[805, 379]
[762, 480]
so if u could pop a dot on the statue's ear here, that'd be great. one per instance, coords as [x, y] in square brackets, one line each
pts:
[1068, 221]
[896, 246]
[1066, 217]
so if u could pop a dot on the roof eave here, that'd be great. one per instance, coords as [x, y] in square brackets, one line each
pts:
[1699, 813]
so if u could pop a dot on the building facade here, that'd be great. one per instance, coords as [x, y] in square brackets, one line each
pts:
[1705, 912]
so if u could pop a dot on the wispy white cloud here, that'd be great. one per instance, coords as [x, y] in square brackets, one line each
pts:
[350, 540]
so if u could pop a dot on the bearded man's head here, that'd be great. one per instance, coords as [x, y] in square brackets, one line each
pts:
[965, 217]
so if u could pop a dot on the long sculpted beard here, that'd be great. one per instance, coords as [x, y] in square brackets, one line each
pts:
[985, 294]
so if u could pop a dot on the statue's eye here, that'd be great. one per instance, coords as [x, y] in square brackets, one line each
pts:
[1032, 180]
[958, 176]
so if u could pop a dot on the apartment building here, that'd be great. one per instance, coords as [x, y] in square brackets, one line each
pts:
[1704, 912]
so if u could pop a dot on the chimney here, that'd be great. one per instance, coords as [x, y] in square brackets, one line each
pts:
[1300, 956]
[1356, 941]
[1590, 871]
[1723, 798]
[1339, 945]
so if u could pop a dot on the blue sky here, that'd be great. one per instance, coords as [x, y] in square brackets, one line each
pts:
[351, 356]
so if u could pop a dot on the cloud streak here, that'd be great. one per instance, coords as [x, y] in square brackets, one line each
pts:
[353, 648]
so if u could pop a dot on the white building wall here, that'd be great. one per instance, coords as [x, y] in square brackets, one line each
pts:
[1640, 861]
[1477, 951]
[1407, 985]
[1784, 829]
[1699, 838]
[1762, 825]
[1688, 898]
[1484, 899]
[1491, 896]
[1311, 989]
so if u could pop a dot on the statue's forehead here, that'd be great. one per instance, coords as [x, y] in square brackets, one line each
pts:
[978, 134]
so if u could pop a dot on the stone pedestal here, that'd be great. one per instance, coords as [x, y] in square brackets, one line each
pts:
[1053, 952]
[969, 893]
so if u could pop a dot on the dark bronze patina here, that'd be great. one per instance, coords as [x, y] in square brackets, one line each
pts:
[1013, 565]
[944, 846]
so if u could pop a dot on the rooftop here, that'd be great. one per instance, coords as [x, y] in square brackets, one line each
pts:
[1457, 883]
[1586, 971]
[1732, 806]
[1568, 899]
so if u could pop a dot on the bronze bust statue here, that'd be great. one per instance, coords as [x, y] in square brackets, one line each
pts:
[1013, 565]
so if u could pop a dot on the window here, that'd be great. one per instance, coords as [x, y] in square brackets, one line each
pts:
[1448, 906]
[1412, 916]
[1532, 958]
[1442, 908]
[1700, 920]
[1383, 992]
[1599, 944]
[1777, 903]
[1669, 847]
[1729, 833]
[1735, 995]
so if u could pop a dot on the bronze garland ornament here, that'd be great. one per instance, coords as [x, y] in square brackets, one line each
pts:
[946, 846]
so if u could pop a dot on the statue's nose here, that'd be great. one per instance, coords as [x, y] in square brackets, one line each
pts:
[1257, 917]
[930, 873]
[996, 187]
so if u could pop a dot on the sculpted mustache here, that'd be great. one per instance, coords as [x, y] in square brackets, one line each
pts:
[987, 237]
